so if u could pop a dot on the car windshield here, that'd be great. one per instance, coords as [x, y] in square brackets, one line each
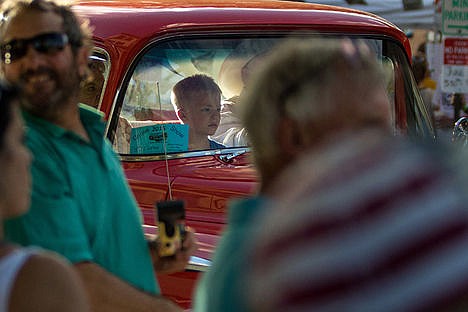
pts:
[157, 118]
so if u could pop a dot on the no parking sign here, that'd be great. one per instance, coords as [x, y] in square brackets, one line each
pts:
[455, 69]
[455, 31]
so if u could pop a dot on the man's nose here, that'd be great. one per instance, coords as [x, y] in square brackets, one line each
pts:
[32, 59]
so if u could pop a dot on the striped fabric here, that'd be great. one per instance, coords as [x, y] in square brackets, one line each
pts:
[369, 224]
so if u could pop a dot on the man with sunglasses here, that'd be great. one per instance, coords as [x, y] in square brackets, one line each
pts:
[45, 50]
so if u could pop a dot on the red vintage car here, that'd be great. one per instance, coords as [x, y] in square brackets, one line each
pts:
[143, 48]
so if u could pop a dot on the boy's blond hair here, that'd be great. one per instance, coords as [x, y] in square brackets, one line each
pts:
[191, 86]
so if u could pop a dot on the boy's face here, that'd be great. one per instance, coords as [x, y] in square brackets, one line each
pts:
[203, 114]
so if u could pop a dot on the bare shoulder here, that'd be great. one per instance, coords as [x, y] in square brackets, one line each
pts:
[49, 282]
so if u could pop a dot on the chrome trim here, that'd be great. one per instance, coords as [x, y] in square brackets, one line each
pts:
[103, 53]
[231, 153]
[198, 264]
[229, 157]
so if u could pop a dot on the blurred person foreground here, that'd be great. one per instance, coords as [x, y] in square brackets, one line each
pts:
[305, 94]
[378, 224]
[31, 279]
[45, 51]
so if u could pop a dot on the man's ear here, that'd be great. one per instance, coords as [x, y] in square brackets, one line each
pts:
[181, 115]
[290, 137]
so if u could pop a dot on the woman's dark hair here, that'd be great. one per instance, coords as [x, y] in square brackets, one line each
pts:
[8, 94]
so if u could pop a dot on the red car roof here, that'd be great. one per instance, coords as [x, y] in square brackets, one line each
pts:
[202, 3]
[144, 18]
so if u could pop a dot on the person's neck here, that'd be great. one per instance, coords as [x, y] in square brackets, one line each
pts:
[4, 246]
[69, 119]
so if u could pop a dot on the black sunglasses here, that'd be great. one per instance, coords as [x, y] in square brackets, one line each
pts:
[44, 43]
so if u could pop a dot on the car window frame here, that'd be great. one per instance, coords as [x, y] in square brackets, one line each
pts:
[412, 103]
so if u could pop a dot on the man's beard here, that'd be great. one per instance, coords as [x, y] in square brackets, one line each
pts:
[49, 105]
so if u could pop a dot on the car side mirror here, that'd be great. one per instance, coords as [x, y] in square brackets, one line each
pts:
[460, 132]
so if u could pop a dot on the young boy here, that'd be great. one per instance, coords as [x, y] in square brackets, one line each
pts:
[197, 101]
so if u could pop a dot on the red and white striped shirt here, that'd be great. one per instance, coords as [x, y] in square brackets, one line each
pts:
[369, 223]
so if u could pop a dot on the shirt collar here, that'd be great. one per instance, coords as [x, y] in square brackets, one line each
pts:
[91, 118]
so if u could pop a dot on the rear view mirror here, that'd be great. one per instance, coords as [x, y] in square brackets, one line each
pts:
[460, 132]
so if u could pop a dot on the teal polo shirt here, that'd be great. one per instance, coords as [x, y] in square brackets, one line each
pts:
[222, 287]
[82, 206]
